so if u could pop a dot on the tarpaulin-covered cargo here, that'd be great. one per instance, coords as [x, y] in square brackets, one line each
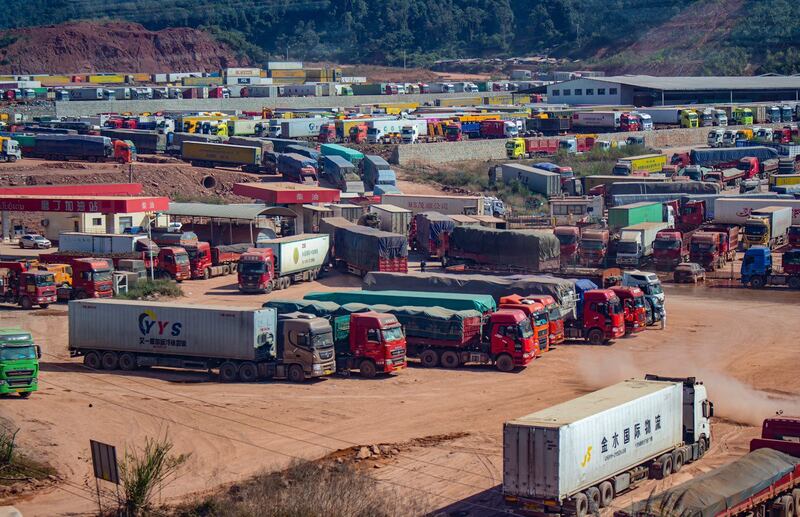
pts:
[666, 187]
[714, 492]
[562, 290]
[453, 301]
[316, 308]
[712, 157]
[431, 228]
[525, 249]
[367, 249]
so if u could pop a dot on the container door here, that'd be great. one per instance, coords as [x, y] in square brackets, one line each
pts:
[530, 460]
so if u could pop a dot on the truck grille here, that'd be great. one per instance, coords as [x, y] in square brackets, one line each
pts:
[19, 373]
[325, 354]
[398, 352]
[19, 382]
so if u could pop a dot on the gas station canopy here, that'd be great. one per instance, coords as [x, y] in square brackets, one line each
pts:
[284, 193]
[83, 204]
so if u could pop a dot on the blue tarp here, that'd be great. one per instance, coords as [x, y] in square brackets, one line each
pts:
[711, 157]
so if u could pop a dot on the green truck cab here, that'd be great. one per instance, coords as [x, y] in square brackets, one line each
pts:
[19, 362]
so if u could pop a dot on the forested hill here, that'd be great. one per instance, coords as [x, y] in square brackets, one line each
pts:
[712, 36]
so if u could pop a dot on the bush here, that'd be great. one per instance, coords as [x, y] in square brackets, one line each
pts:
[15, 466]
[308, 488]
[7, 444]
[144, 471]
[146, 289]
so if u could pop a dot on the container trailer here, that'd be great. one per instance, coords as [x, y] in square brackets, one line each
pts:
[519, 251]
[537, 180]
[202, 154]
[361, 249]
[243, 344]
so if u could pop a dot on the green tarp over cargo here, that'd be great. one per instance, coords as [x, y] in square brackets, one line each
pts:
[362, 246]
[453, 301]
[715, 492]
[521, 248]
[323, 309]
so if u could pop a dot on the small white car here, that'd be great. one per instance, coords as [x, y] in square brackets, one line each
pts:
[34, 241]
[174, 227]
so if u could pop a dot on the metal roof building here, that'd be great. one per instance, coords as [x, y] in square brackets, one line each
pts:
[645, 90]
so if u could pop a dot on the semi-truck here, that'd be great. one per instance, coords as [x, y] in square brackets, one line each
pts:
[145, 141]
[766, 481]
[243, 344]
[650, 285]
[298, 168]
[721, 156]
[19, 362]
[593, 246]
[650, 163]
[569, 239]
[277, 263]
[579, 455]
[343, 174]
[537, 180]
[599, 318]
[206, 261]
[738, 210]
[605, 120]
[520, 148]
[498, 129]
[360, 249]
[634, 308]
[517, 251]
[635, 244]
[430, 233]
[377, 171]
[448, 205]
[91, 277]
[768, 226]
[670, 248]
[78, 147]
[26, 288]
[207, 154]
[758, 269]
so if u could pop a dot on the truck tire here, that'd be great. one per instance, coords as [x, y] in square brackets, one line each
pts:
[92, 360]
[677, 460]
[228, 372]
[504, 363]
[248, 372]
[367, 369]
[268, 288]
[206, 274]
[25, 394]
[579, 505]
[26, 303]
[429, 358]
[701, 448]
[44, 305]
[665, 469]
[127, 362]
[81, 295]
[794, 282]
[757, 282]
[796, 498]
[110, 361]
[450, 359]
[606, 493]
[782, 507]
[296, 374]
[595, 337]
[593, 497]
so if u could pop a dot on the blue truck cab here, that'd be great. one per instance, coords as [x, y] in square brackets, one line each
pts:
[757, 262]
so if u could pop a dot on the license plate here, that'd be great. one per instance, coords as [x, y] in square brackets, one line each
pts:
[536, 507]
[328, 372]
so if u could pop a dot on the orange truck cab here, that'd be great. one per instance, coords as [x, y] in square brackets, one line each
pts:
[26, 288]
[554, 318]
[370, 342]
[358, 134]
[536, 313]
[634, 308]
[124, 151]
[600, 318]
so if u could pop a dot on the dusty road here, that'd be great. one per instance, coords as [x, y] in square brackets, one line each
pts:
[739, 342]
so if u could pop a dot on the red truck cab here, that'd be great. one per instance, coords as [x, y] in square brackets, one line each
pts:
[634, 308]
[536, 313]
[452, 131]
[705, 250]
[728, 239]
[600, 320]
[358, 134]
[256, 271]
[568, 236]
[509, 333]
[173, 261]
[629, 122]
[376, 344]
[593, 246]
[794, 236]
[124, 151]
[26, 288]
[327, 134]
[91, 277]
[670, 249]
[750, 166]
[555, 319]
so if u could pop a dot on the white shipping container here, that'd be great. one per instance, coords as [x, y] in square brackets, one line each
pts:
[559, 451]
[393, 219]
[302, 127]
[737, 210]
[285, 65]
[662, 115]
[605, 119]
[103, 243]
[242, 72]
[538, 180]
[298, 252]
[447, 205]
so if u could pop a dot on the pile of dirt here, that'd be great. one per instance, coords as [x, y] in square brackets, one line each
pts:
[112, 46]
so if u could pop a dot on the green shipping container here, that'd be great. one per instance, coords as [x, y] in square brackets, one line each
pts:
[453, 301]
[347, 153]
[635, 213]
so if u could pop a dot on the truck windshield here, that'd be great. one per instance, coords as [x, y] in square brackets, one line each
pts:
[638, 301]
[525, 329]
[615, 306]
[628, 247]
[324, 340]
[755, 229]
[540, 318]
[250, 268]
[592, 245]
[392, 334]
[182, 258]
[16, 353]
[653, 289]
[45, 280]
[103, 275]
[666, 245]
[566, 239]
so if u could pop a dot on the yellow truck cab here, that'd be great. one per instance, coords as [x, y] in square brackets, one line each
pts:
[515, 148]
[61, 272]
[689, 118]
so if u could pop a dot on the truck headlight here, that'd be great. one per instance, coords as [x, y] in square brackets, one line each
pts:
[2, 382]
[317, 368]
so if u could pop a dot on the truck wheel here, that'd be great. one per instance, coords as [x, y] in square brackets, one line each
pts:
[580, 505]
[268, 288]
[796, 498]
[701, 448]
[287, 281]
[26, 303]
[450, 359]
[429, 358]
[206, 274]
[81, 295]
[757, 282]
[504, 363]
[367, 369]
[677, 460]
[44, 305]
[127, 362]
[666, 467]
[296, 374]
[228, 372]
[92, 360]
[110, 361]
[782, 507]
[595, 337]
[248, 372]
[794, 282]
[25, 394]
[606, 494]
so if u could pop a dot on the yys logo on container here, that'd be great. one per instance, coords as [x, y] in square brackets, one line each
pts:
[149, 323]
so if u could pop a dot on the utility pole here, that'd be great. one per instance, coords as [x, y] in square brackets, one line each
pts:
[404, 59]
[130, 173]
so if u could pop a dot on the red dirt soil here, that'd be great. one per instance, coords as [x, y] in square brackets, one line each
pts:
[113, 46]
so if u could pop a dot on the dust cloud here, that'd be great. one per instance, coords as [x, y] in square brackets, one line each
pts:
[733, 400]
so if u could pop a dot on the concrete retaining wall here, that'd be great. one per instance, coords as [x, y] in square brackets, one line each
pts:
[86, 108]
[446, 152]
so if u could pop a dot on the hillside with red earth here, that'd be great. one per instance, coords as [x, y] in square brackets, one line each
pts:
[113, 46]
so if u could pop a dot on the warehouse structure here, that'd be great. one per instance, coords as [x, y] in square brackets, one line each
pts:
[645, 90]
[230, 224]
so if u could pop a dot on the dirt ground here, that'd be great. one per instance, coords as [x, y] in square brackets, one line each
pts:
[738, 341]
